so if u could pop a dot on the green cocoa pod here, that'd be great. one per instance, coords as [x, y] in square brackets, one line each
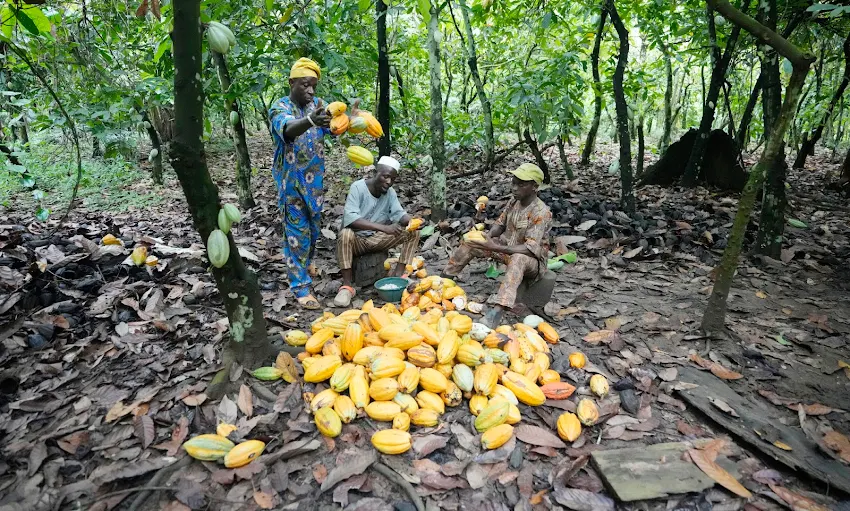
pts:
[232, 213]
[231, 39]
[218, 248]
[267, 373]
[223, 221]
[217, 39]
[234, 118]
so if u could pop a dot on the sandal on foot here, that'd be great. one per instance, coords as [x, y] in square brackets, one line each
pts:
[344, 296]
[309, 302]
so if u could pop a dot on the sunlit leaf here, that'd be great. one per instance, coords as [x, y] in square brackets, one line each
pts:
[41, 214]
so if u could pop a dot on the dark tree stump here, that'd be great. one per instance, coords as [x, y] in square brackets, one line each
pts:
[719, 168]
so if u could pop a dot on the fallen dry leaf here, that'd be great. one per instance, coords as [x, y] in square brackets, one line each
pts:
[716, 472]
[178, 434]
[535, 435]
[582, 500]
[425, 445]
[537, 498]
[320, 473]
[795, 501]
[264, 500]
[719, 403]
[246, 400]
[812, 409]
[839, 443]
[74, 441]
[195, 399]
[599, 336]
[715, 368]
[144, 428]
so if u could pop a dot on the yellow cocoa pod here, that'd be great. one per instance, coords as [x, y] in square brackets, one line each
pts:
[391, 441]
[225, 429]
[486, 378]
[432, 380]
[599, 385]
[541, 360]
[352, 340]
[431, 401]
[549, 376]
[371, 339]
[427, 332]
[379, 319]
[208, 447]
[413, 225]
[448, 347]
[526, 351]
[536, 342]
[401, 422]
[383, 410]
[317, 341]
[140, 253]
[425, 418]
[569, 427]
[406, 402]
[463, 377]
[339, 124]
[332, 348]
[345, 409]
[383, 389]
[452, 396]
[322, 369]
[392, 353]
[295, 338]
[422, 355]
[408, 380]
[366, 355]
[359, 388]
[586, 412]
[336, 108]
[445, 369]
[443, 326]
[358, 125]
[323, 399]
[524, 389]
[477, 403]
[502, 391]
[496, 413]
[471, 355]
[244, 453]
[359, 155]
[328, 422]
[386, 366]
[497, 436]
[373, 127]
[532, 372]
[341, 378]
[111, 240]
[548, 332]
[461, 324]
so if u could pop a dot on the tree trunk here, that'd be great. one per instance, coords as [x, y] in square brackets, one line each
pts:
[156, 162]
[23, 133]
[96, 147]
[668, 102]
[641, 147]
[718, 75]
[808, 145]
[394, 71]
[564, 161]
[714, 318]
[472, 56]
[383, 107]
[597, 89]
[772, 217]
[243, 159]
[627, 197]
[438, 147]
[845, 170]
[237, 285]
[449, 80]
[538, 155]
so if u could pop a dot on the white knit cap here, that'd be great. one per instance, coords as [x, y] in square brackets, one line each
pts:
[389, 161]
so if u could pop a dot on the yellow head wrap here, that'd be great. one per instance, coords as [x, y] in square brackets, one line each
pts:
[305, 67]
[529, 172]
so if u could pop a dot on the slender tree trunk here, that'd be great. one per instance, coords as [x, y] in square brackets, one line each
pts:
[96, 147]
[668, 102]
[714, 318]
[472, 56]
[641, 147]
[772, 217]
[597, 89]
[243, 158]
[845, 170]
[156, 145]
[718, 75]
[627, 197]
[464, 90]
[564, 161]
[384, 144]
[449, 83]
[438, 148]
[237, 285]
[538, 155]
[23, 133]
[808, 145]
[394, 71]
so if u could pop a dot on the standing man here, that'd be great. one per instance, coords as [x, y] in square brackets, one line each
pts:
[373, 221]
[519, 239]
[299, 124]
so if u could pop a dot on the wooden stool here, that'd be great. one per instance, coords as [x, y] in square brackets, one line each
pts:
[537, 292]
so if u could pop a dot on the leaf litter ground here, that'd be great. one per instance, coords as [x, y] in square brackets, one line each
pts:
[105, 364]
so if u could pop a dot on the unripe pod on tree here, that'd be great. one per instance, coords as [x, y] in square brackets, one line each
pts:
[232, 213]
[218, 248]
[223, 221]
[234, 118]
[217, 38]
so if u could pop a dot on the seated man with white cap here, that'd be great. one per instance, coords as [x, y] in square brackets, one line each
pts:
[373, 221]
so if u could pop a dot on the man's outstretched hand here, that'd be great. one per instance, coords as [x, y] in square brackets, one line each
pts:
[393, 230]
[320, 116]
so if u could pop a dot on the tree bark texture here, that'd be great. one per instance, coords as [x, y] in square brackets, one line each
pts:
[237, 131]
[156, 162]
[237, 285]
[597, 90]
[472, 59]
[438, 148]
[568, 169]
[809, 142]
[718, 75]
[395, 72]
[714, 318]
[538, 155]
[383, 107]
[772, 217]
[668, 102]
[641, 147]
[627, 196]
